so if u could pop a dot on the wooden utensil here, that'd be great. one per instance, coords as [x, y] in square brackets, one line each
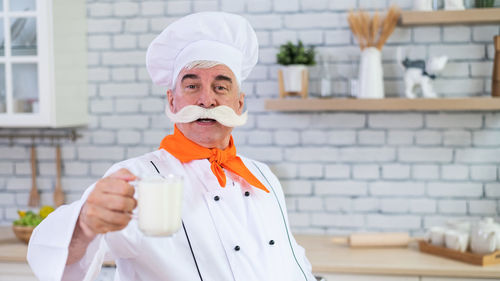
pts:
[34, 199]
[389, 239]
[495, 81]
[58, 192]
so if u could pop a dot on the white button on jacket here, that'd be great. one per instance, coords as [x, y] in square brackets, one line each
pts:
[240, 237]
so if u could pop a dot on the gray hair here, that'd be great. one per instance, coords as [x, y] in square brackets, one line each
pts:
[204, 64]
[201, 64]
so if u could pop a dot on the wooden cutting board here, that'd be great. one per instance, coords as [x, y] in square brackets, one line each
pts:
[468, 257]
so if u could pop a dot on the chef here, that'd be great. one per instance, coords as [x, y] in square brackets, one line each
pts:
[234, 221]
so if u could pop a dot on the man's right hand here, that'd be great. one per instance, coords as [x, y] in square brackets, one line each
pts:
[109, 206]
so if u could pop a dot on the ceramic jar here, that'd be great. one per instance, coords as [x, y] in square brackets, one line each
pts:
[485, 236]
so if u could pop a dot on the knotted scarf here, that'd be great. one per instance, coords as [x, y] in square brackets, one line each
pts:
[186, 151]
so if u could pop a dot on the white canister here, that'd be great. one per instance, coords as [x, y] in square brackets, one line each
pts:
[422, 5]
[371, 80]
[454, 5]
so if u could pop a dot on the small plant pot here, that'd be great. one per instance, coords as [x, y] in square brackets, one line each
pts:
[292, 77]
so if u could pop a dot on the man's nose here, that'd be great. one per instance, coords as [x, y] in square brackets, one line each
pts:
[206, 98]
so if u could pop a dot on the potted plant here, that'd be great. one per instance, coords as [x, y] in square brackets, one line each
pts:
[295, 58]
[485, 3]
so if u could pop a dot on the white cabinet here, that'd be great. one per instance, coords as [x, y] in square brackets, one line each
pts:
[359, 277]
[43, 63]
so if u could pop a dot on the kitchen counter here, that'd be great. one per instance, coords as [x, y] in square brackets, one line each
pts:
[327, 257]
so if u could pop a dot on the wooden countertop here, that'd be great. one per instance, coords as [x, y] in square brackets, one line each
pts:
[327, 257]
[11, 249]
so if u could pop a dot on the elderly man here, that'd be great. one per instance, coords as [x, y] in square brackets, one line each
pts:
[234, 223]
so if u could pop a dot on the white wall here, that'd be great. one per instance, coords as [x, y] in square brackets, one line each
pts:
[341, 171]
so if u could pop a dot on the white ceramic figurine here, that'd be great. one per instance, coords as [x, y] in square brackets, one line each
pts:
[421, 73]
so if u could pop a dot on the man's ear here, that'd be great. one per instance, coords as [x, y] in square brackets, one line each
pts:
[170, 99]
[241, 102]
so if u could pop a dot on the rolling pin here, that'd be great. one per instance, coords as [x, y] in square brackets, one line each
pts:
[387, 239]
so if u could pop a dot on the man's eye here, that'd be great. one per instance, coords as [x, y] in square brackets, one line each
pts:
[220, 88]
[191, 86]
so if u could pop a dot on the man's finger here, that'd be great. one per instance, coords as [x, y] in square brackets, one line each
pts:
[113, 218]
[97, 225]
[123, 174]
[116, 186]
[116, 202]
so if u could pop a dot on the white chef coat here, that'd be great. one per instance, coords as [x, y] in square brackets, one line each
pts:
[242, 236]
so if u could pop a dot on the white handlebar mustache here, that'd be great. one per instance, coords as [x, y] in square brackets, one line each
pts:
[222, 114]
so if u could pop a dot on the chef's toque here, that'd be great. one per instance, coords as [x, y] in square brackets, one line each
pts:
[213, 36]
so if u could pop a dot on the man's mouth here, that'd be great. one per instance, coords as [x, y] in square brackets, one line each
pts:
[205, 120]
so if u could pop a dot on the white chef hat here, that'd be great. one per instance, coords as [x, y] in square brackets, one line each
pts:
[213, 36]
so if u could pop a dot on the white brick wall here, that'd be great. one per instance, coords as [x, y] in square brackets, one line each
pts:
[423, 206]
[337, 171]
[484, 33]
[454, 172]
[425, 154]
[493, 190]
[386, 188]
[483, 207]
[340, 188]
[456, 51]
[395, 171]
[428, 138]
[443, 189]
[338, 37]
[371, 137]
[457, 138]
[367, 154]
[456, 34]
[387, 222]
[341, 172]
[350, 221]
[365, 172]
[311, 20]
[483, 172]
[395, 121]
[366, 204]
[427, 34]
[452, 206]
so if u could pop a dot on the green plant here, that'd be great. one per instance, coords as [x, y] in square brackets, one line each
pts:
[28, 219]
[484, 3]
[296, 54]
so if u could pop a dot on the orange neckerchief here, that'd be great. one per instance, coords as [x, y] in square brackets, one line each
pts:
[186, 151]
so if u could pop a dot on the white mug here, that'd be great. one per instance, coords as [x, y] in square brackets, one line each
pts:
[159, 202]
[436, 236]
[456, 240]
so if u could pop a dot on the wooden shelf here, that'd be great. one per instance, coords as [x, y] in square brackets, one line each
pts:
[389, 104]
[486, 15]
